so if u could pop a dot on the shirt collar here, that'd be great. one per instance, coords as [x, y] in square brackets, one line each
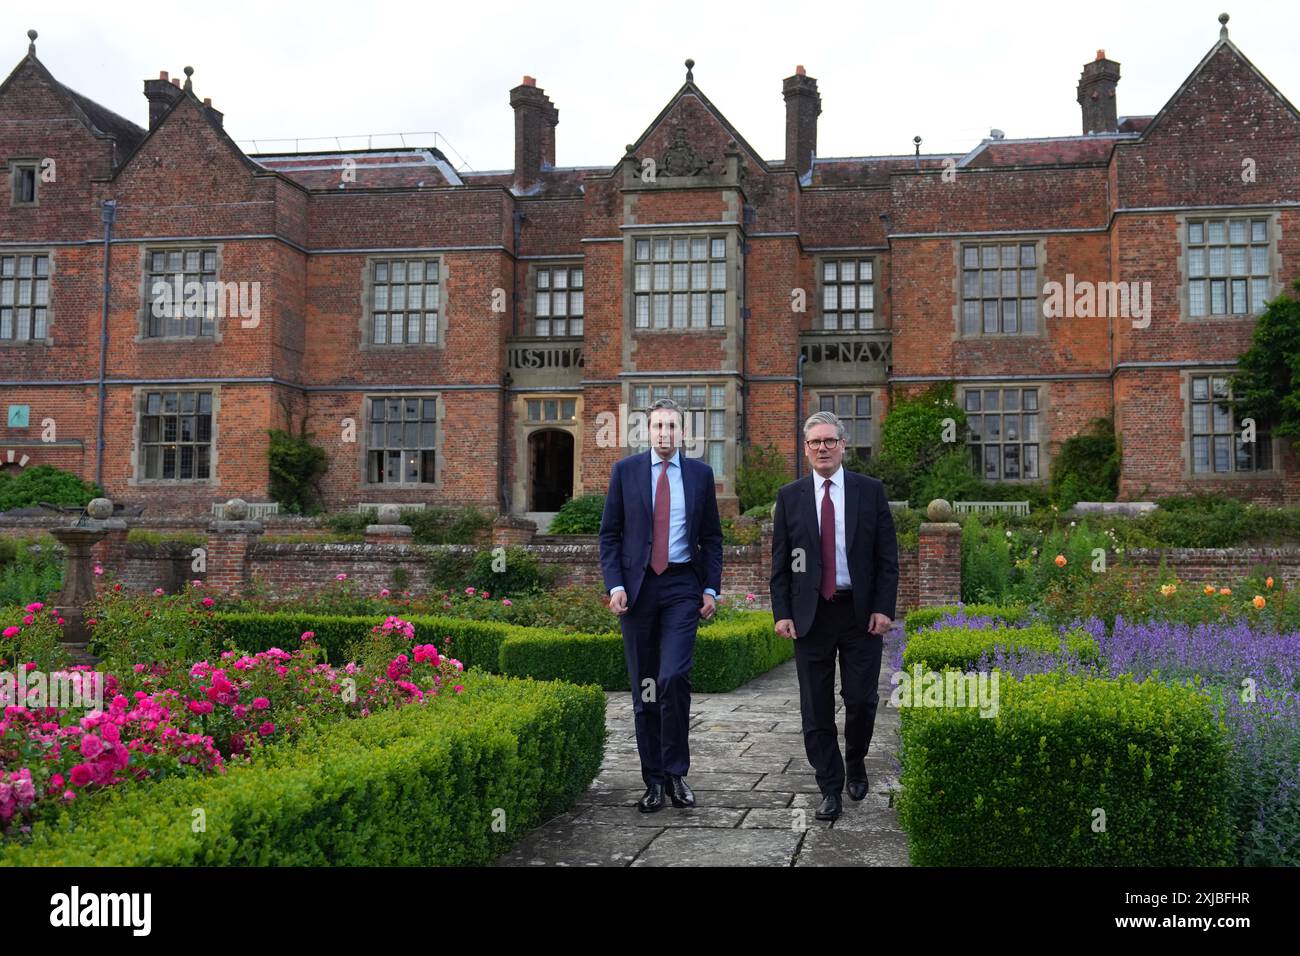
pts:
[655, 459]
[837, 479]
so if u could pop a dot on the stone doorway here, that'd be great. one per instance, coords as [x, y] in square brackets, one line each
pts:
[550, 469]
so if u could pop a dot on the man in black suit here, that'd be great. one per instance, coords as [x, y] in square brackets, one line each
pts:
[834, 585]
[661, 557]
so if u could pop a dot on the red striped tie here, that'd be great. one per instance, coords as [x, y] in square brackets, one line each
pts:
[659, 550]
[828, 543]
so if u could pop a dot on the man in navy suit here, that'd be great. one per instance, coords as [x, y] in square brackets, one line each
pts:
[661, 556]
[834, 586]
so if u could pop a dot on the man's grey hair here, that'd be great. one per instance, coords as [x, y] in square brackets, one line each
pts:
[672, 406]
[824, 418]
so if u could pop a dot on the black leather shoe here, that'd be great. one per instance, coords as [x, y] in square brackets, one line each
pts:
[679, 792]
[858, 788]
[830, 807]
[652, 800]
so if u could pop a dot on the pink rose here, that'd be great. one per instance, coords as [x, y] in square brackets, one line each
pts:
[81, 775]
[260, 703]
[384, 592]
[505, 602]
[98, 570]
[340, 577]
[267, 729]
[35, 607]
[208, 602]
[469, 590]
[29, 619]
[91, 746]
[459, 688]
[157, 592]
[13, 631]
[308, 635]
[200, 706]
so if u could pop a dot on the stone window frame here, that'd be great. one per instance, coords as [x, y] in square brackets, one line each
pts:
[874, 394]
[731, 270]
[729, 408]
[16, 165]
[137, 479]
[531, 290]
[366, 322]
[1040, 262]
[1044, 417]
[1185, 377]
[147, 249]
[542, 399]
[820, 290]
[1273, 218]
[440, 417]
[52, 259]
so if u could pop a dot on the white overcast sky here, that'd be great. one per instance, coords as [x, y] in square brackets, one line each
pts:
[947, 71]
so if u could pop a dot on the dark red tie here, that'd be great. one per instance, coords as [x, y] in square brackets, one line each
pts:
[828, 543]
[663, 506]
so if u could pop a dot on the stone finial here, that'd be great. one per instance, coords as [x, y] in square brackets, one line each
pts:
[101, 509]
[939, 510]
[690, 65]
[389, 514]
[236, 509]
[189, 79]
[31, 42]
[1223, 28]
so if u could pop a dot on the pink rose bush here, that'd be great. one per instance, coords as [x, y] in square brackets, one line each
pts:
[161, 720]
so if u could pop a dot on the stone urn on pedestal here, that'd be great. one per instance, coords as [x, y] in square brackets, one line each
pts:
[78, 578]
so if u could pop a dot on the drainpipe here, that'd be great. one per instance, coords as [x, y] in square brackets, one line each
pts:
[798, 414]
[108, 213]
[503, 493]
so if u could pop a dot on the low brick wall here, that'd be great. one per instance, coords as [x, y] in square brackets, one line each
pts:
[1219, 565]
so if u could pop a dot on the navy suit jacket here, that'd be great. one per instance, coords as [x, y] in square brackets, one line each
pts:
[869, 541]
[627, 525]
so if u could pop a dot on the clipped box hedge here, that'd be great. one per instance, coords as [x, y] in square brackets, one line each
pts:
[474, 643]
[413, 786]
[962, 647]
[1023, 788]
[727, 654]
[1012, 614]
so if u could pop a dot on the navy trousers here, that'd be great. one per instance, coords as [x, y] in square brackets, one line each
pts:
[659, 644]
[835, 632]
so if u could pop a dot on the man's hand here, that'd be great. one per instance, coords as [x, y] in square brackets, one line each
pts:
[879, 624]
[785, 628]
[709, 607]
[618, 602]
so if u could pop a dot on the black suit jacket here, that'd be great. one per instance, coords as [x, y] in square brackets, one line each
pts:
[869, 541]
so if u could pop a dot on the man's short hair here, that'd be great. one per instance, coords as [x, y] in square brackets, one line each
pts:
[824, 418]
[672, 406]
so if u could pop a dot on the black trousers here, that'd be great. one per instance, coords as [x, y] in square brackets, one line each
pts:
[835, 631]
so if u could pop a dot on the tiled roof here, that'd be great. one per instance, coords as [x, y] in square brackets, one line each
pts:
[1045, 152]
[868, 170]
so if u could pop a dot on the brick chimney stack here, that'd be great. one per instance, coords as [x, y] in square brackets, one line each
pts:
[803, 104]
[160, 93]
[1097, 95]
[535, 122]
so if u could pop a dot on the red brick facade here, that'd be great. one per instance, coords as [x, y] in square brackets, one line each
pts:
[519, 419]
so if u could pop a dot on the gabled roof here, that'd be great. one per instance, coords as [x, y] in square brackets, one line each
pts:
[187, 96]
[100, 120]
[1222, 43]
[690, 89]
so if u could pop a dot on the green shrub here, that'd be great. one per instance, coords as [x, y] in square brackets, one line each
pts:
[1266, 385]
[1087, 466]
[740, 533]
[895, 476]
[985, 563]
[1024, 788]
[428, 526]
[44, 484]
[8, 551]
[912, 434]
[923, 617]
[761, 474]
[295, 467]
[762, 512]
[418, 785]
[907, 527]
[962, 647]
[35, 573]
[949, 478]
[505, 574]
[580, 515]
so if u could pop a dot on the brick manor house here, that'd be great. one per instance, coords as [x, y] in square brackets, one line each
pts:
[469, 338]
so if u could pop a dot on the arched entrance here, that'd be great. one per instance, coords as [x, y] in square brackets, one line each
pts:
[550, 469]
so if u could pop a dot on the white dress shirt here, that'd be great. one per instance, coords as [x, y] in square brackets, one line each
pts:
[842, 579]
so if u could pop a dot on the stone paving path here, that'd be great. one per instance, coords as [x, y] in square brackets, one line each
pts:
[751, 780]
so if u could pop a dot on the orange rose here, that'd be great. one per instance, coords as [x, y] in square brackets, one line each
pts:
[1225, 590]
[1060, 560]
[1268, 582]
[1209, 589]
[1258, 602]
